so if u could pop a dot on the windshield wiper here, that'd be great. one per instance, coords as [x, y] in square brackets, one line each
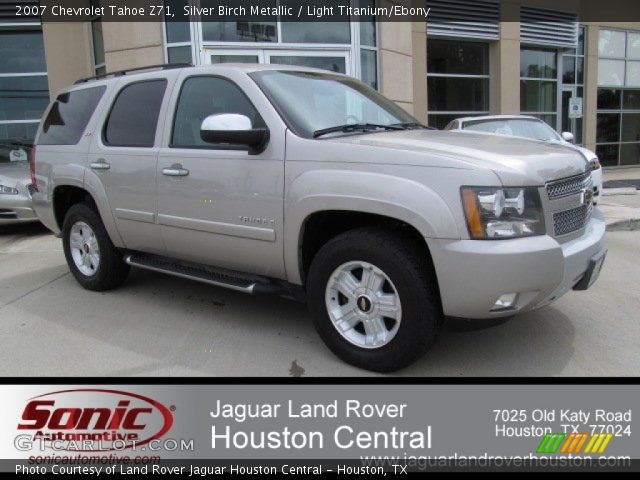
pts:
[352, 127]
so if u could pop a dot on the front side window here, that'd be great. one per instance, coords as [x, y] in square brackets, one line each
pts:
[134, 116]
[315, 101]
[68, 117]
[204, 96]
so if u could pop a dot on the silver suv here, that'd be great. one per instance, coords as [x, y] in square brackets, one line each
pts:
[309, 184]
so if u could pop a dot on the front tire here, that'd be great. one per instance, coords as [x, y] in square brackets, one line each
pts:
[92, 258]
[374, 299]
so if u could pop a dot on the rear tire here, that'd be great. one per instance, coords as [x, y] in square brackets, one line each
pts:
[374, 299]
[92, 258]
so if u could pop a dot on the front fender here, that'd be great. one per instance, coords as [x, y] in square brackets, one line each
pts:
[376, 193]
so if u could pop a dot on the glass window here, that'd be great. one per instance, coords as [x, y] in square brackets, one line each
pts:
[239, 31]
[23, 97]
[538, 63]
[458, 58]
[608, 127]
[68, 117]
[608, 154]
[630, 154]
[133, 119]
[633, 74]
[608, 99]
[317, 32]
[457, 80]
[333, 64]
[204, 96]
[368, 34]
[369, 66]
[315, 101]
[631, 127]
[179, 54]
[631, 100]
[537, 96]
[580, 71]
[611, 44]
[242, 30]
[458, 94]
[178, 28]
[611, 72]
[231, 58]
[633, 46]
[21, 52]
[568, 69]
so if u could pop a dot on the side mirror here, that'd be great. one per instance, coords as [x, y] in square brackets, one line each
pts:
[568, 136]
[232, 128]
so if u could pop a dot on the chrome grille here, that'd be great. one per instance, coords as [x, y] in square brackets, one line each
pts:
[569, 186]
[571, 220]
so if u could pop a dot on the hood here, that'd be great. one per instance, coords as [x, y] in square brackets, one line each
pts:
[516, 161]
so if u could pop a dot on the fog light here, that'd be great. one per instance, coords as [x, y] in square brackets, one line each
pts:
[506, 302]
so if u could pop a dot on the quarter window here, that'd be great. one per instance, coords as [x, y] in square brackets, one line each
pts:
[204, 96]
[134, 116]
[68, 117]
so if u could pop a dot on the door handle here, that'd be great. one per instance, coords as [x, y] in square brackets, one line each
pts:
[101, 164]
[175, 170]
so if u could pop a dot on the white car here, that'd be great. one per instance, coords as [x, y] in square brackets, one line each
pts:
[532, 128]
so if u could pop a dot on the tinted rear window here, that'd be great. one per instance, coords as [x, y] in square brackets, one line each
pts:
[134, 115]
[69, 115]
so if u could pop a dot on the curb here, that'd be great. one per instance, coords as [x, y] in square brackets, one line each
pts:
[608, 192]
[626, 225]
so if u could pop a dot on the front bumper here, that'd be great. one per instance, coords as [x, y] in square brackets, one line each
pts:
[16, 209]
[474, 274]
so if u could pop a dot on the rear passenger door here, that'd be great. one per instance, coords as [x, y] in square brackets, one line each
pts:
[123, 159]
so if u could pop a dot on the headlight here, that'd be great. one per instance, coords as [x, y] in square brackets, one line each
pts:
[502, 212]
[8, 190]
[594, 164]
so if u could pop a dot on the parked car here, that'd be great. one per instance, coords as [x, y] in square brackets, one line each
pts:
[309, 184]
[535, 129]
[15, 183]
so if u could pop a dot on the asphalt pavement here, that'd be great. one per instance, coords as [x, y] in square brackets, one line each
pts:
[156, 325]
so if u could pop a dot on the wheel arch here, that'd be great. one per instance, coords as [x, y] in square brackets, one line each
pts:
[373, 199]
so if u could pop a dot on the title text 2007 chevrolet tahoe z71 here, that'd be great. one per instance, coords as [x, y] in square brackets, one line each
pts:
[271, 179]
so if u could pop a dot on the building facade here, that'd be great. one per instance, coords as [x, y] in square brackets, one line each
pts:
[438, 70]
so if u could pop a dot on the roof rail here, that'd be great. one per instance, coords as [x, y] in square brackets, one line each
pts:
[119, 73]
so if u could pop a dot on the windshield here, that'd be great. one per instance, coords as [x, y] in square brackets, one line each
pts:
[311, 101]
[518, 127]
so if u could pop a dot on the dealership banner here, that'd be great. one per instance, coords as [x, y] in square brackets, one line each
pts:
[317, 428]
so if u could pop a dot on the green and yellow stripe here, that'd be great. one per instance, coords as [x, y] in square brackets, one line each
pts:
[574, 443]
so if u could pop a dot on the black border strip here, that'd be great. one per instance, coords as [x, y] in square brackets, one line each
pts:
[320, 381]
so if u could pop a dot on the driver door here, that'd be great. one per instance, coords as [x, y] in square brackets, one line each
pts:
[218, 204]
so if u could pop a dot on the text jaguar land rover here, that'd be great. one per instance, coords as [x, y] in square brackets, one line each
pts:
[304, 183]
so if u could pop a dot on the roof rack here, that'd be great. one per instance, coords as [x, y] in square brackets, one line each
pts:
[119, 73]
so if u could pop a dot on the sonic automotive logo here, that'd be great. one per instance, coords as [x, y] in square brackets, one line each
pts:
[95, 420]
